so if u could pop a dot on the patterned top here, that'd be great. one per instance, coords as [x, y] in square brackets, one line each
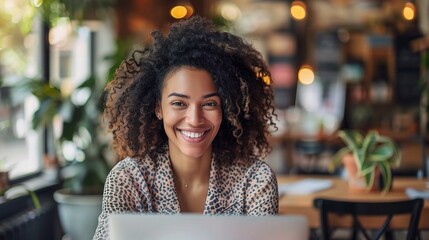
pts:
[147, 186]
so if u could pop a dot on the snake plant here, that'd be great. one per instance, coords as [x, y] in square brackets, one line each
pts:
[370, 152]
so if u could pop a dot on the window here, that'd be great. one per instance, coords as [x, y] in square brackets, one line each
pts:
[21, 147]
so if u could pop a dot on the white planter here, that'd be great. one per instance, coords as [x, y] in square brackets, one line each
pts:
[78, 214]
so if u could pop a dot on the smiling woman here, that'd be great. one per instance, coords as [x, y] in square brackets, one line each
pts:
[189, 116]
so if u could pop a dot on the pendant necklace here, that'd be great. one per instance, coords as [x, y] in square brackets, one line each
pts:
[178, 181]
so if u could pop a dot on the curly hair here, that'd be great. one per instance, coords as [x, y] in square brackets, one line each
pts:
[238, 72]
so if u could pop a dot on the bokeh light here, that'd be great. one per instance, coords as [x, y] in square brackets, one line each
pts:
[409, 11]
[298, 10]
[179, 12]
[230, 11]
[306, 75]
[37, 3]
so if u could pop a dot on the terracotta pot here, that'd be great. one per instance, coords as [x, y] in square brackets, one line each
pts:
[356, 182]
[4, 180]
[4, 185]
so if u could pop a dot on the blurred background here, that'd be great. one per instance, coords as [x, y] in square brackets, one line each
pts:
[335, 64]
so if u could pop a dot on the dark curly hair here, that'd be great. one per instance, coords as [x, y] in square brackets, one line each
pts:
[237, 69]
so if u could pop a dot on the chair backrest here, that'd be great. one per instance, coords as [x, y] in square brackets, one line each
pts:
[388, 209]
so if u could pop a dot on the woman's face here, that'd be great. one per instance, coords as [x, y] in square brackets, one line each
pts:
[191, 111]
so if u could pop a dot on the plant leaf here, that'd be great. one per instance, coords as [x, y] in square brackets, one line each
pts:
[352, 138]
[386, 173]
[382, 153]
[366, 169]
[337, 158]
[90, 82]
[395, 159]
[369, 141]
[46, 112]
[370, 178]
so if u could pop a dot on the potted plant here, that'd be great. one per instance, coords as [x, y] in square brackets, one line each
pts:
[81, 147]
[371, 156]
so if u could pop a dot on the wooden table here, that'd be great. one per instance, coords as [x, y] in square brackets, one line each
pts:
[303, 204]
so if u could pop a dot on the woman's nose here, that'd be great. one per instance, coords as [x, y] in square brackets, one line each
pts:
[194, 116]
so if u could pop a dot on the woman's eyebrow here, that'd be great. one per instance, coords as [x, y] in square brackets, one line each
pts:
[174, 94]
[211, 95]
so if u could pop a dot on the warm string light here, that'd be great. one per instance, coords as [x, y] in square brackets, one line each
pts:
[298, 10]
[306, 75]
[178, 12]
[409, 10]
[182, 11]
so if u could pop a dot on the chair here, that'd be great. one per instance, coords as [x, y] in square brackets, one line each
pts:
[310, 150]
[388, 209]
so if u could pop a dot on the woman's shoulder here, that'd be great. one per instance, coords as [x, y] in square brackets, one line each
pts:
[250, 166]
[130, 164]
[136, 170]
[125, 167]
[258, 165]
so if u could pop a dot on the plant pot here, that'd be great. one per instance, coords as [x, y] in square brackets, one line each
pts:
[78, 213]
[4, 185]
[4, 180]
[357, 182]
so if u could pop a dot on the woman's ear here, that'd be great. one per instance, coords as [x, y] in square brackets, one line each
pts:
[158, 112]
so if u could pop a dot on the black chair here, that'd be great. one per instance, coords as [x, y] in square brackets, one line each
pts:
[310, 150]
[388, 209]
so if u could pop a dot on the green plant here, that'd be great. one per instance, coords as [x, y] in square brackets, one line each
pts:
[81, 129]
[74, 9]
[81, 124]
[80, 143]
[33, 195]
[372, 151]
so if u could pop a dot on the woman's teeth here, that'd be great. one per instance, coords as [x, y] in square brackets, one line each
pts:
[192, 134]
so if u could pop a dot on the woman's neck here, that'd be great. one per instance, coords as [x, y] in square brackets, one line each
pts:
[188, 171]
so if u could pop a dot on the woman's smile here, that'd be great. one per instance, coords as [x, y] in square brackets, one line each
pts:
[193, 135]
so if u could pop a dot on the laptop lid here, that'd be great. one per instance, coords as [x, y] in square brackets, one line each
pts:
[132, 226]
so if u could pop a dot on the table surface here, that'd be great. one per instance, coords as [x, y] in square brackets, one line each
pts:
[303, 204]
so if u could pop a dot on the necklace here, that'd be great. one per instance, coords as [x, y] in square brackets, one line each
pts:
[179, 183]
[186, 185]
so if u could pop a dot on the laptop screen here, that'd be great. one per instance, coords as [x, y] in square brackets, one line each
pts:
[132, 226]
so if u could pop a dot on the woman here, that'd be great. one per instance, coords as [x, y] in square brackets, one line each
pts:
[190, 115]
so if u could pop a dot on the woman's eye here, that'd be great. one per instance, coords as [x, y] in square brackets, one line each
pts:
[178, 104]
[211, 104]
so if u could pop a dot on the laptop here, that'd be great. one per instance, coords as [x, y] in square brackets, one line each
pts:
[133, 226]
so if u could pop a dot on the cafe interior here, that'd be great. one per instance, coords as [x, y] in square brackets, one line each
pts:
[347, 75]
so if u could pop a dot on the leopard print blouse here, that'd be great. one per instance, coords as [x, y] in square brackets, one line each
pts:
[240, 188]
